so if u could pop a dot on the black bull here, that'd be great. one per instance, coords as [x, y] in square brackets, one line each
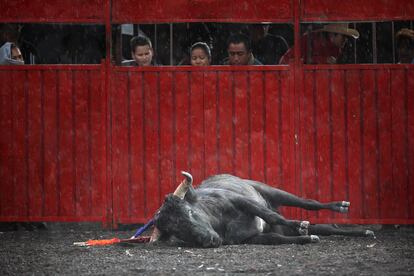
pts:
[226, 209]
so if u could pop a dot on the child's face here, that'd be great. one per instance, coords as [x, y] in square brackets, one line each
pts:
[199, 57]
[143, 55]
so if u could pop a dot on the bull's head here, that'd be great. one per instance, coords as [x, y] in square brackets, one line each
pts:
[184, 219]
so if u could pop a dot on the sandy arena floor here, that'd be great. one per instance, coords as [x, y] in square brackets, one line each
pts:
[51, 252]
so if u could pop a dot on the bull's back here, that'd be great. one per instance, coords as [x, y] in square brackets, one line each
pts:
[231, 185]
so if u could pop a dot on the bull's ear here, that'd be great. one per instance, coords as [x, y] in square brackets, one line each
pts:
[191, 195]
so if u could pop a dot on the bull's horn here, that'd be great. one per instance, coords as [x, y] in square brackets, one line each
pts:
[188, 177]
[184, 186]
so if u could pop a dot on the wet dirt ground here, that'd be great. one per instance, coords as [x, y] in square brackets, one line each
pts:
[51, 252]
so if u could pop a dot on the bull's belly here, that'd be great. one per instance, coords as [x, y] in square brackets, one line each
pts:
[241, 229]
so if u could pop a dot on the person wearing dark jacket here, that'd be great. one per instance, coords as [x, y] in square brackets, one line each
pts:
[141, 52]
[240, 51]
[405, 46]
[322, 46]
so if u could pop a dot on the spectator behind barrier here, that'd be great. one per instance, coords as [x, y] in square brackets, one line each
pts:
[240, 51]
[322, 46]
[267, 48]
[405, 46]
[10, 54]
[9, 32]
[200, 54]
[141, 52]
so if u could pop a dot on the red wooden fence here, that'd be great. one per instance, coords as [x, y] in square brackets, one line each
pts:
[353, 138]
[53, 143]
[346, 134]
[357, 141]
[105, 143]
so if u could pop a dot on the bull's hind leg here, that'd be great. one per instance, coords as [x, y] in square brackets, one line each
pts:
[331, 229]
[281, 198]
[271, 217]
[274, 238]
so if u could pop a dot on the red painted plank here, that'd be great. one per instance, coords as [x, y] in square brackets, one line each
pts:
[97, 107]
[166, 134]
[49, 10]
[241, 124]
[272, 127]
[6, 149]
[50, 144]
[36, 192]
[410, 134]
[352, 82]
[66, 145]
[210, 123]
[137, 192]
[82, 143]
[345, 10]
[182, 125]
[260, 9]
[369, 145]
[120, 146]
[191, 10]
[385, 154]
[19, 143]
[287, 132]
[274, 99]
[399, 146]
[197, 153]
[152, 150]
[308, 141]
[323, 139]
[287, 137]
[338, 138]
[257, 109]
[225, 123]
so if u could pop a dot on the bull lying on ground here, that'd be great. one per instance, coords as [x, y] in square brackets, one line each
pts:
[226, 209]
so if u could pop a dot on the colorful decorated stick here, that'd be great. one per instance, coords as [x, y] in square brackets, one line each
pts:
[134, 239]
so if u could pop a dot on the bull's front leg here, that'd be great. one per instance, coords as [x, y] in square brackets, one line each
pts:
[269, 216]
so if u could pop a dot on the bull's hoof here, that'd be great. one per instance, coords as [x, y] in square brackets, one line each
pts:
[303, 228]
[314, 239]
[212, 242]
[341, 206]
[303, 231]
[343, 209]
[304, 224]
[369, 233]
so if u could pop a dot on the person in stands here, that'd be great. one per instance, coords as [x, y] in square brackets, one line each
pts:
[267, 47]
[239, 51]
[405, 46]
[322, 46]
[200, 54]
[10, 54]
[141, 52]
